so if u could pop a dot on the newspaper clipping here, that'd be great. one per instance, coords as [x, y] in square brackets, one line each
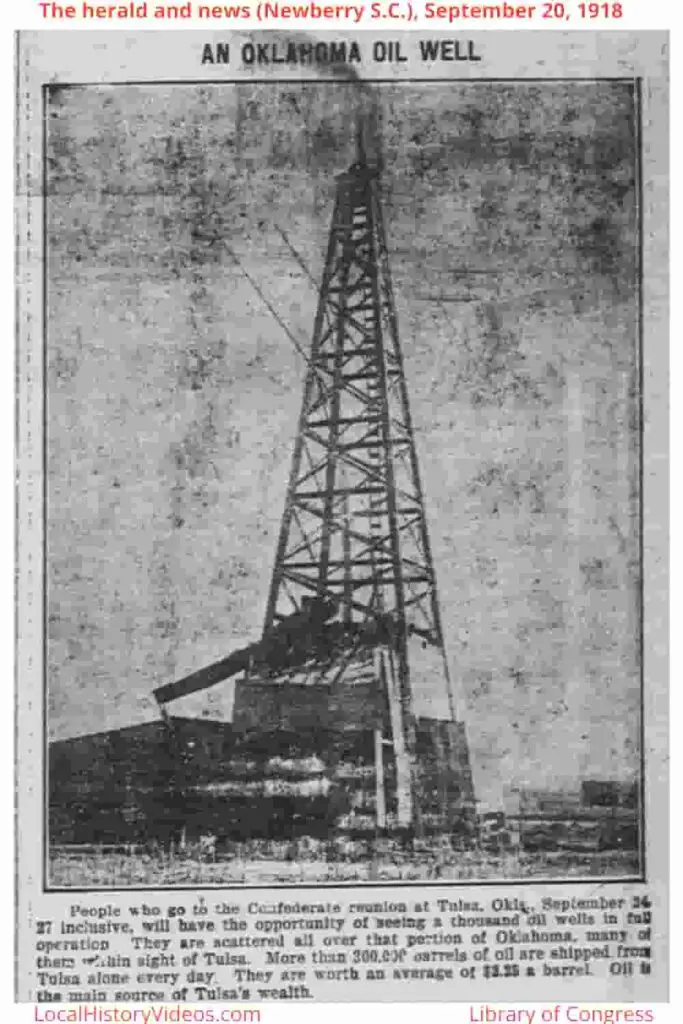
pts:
[342, 542]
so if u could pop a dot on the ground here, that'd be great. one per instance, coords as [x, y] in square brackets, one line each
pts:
[105, 868]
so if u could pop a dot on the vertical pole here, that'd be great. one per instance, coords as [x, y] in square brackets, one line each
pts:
[380, 799]
[400, 639]
[345, 229]
[348, 589]
[404, 788]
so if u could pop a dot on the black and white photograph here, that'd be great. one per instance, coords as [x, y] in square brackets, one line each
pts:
[343, 539]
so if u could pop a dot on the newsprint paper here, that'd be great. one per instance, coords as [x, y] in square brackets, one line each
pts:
[342, 543]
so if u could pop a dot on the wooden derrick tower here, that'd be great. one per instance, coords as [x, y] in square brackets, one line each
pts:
[352, 607]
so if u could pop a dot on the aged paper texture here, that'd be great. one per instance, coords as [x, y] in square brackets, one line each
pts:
[342, 470]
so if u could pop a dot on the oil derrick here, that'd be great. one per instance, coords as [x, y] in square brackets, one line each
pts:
[352, 607]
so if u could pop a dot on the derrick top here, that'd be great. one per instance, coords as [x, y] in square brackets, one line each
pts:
[359, 172]
[368, 162]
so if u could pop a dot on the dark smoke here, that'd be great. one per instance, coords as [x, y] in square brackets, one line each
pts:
[365, 117]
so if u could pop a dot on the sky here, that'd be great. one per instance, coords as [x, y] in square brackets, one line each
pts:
[173, 393]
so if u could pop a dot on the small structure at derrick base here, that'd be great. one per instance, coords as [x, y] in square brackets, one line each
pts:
[352, 624]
